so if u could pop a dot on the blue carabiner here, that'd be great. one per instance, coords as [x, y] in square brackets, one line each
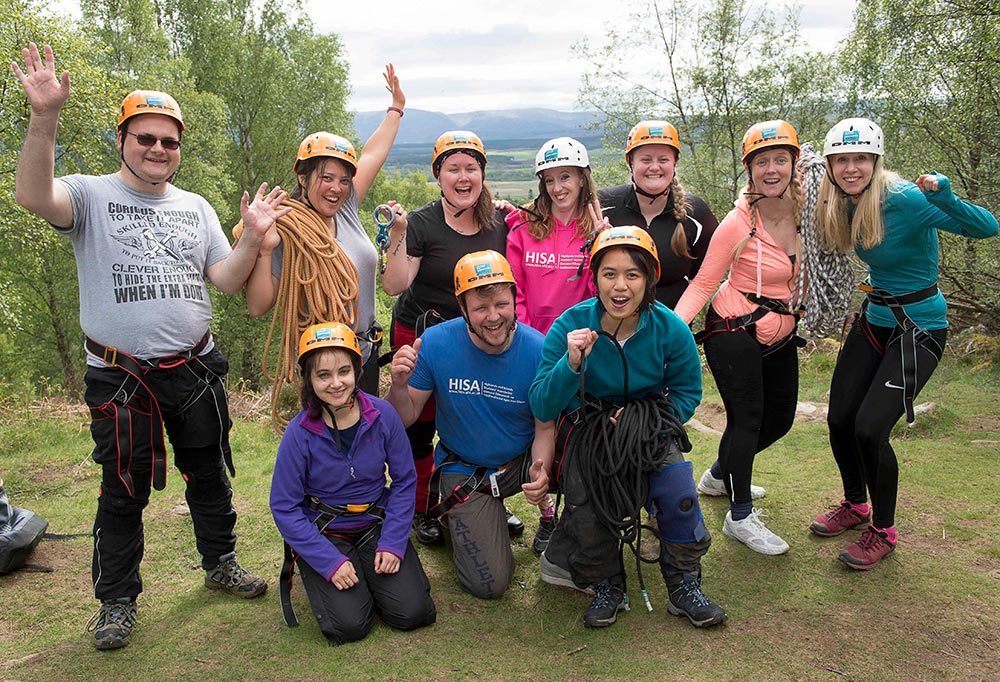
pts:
[384, 216]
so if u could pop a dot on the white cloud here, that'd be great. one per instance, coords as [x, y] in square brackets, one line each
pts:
[467, 56]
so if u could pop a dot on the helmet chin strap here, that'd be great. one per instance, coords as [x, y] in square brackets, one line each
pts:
[468, 325]
[448, 201]
[651, 197]
[148, 182]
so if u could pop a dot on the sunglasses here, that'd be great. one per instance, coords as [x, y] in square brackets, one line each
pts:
[146, 140]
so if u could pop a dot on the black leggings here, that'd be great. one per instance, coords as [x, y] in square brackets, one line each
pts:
[866, 401]
[760, 393]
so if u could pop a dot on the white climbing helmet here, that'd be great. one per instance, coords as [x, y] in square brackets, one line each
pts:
[854, 135]
[561, 151]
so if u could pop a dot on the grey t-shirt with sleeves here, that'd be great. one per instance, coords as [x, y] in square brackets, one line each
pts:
[141, 260]
[358, 246]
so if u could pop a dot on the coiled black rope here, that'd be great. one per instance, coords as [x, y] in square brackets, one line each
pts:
[616, 458]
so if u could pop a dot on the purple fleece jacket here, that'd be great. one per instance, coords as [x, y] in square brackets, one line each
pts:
[309, 464]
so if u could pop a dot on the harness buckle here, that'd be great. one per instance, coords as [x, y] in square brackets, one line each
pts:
[357, 508]
[114, 356]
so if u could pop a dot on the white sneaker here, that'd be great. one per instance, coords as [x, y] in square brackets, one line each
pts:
[554, 574]
[752, 532]
[716, 487]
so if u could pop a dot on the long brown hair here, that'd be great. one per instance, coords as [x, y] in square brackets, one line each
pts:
[539, 211]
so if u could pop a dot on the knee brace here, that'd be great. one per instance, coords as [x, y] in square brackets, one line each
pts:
[673, 493]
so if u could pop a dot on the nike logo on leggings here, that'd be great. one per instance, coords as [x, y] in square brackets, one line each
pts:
[889, 384]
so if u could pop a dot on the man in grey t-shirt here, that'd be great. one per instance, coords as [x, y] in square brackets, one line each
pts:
[144, 249]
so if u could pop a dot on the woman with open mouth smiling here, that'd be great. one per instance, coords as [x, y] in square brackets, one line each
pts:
[749, 336]
[621, 374]
[680, 223]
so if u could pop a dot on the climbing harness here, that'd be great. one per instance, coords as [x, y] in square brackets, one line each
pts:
[910, 334]
[616, 458]
[735, 323]
[385, 217]
[319, 283]
[327, 513]
[142, 400]
[479, 481]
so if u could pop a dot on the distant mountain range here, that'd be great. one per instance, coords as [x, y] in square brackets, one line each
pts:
[497, 128]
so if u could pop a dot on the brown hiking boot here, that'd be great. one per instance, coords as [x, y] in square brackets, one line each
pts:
[230, 577]
[113, 623]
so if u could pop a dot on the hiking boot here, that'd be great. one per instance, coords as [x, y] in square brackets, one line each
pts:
[687, 599]
[553, 574]
[873, 546]
[542, 535]
[113, 623]
[428, 529]
[716, 487]
[515, 526]
[603, 610]
[230, 577]
[752, 532]
[842, 518]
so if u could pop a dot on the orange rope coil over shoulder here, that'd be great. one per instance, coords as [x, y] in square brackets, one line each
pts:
[319, 283]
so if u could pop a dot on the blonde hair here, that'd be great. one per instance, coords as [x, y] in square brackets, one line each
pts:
[866, 229]
[678, 241]
[539, 211]
[795, 190]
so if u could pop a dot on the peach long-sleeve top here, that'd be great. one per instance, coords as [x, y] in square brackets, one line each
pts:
[762, 268]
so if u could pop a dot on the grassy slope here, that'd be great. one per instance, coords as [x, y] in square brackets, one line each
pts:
[932, 610]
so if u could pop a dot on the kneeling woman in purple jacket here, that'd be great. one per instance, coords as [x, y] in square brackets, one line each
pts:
[343, 523]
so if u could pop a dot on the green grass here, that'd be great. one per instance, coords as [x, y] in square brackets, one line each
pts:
[930, 611]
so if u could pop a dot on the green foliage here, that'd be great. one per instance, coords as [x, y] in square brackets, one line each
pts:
[927, 72]
[715, 68]
[36, 265]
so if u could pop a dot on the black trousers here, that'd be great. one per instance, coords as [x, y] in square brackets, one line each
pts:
[866, 401]
[590, 551]
[401, 599]
[759, 392]
[196, 417]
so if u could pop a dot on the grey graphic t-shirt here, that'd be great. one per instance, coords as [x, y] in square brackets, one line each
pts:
[141, 261]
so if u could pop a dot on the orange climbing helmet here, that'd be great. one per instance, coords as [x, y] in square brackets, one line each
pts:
[628, 236]
[149, 102]
[328, 335]
[775, 133]
[327, 145]
[454, 141]
[652, 132]
[480, 268]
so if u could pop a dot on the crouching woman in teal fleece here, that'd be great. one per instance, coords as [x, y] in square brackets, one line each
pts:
[345, 526]
[641, 381]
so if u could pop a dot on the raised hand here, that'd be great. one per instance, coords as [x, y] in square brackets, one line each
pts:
[578, 345]
[260, 216]
[45, 94]
[392, 85]
[404, 362]
[600, 221]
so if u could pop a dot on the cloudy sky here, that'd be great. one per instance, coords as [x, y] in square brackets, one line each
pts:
[466, 56]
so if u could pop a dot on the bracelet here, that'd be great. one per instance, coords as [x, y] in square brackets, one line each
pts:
[396, 109]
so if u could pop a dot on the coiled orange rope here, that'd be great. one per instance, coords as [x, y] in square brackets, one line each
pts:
[319, 283]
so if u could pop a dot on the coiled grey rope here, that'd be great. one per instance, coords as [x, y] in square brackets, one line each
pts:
[830, 274]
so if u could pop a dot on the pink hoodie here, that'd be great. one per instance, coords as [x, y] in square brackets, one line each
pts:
[762, 268]
[543, 270]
